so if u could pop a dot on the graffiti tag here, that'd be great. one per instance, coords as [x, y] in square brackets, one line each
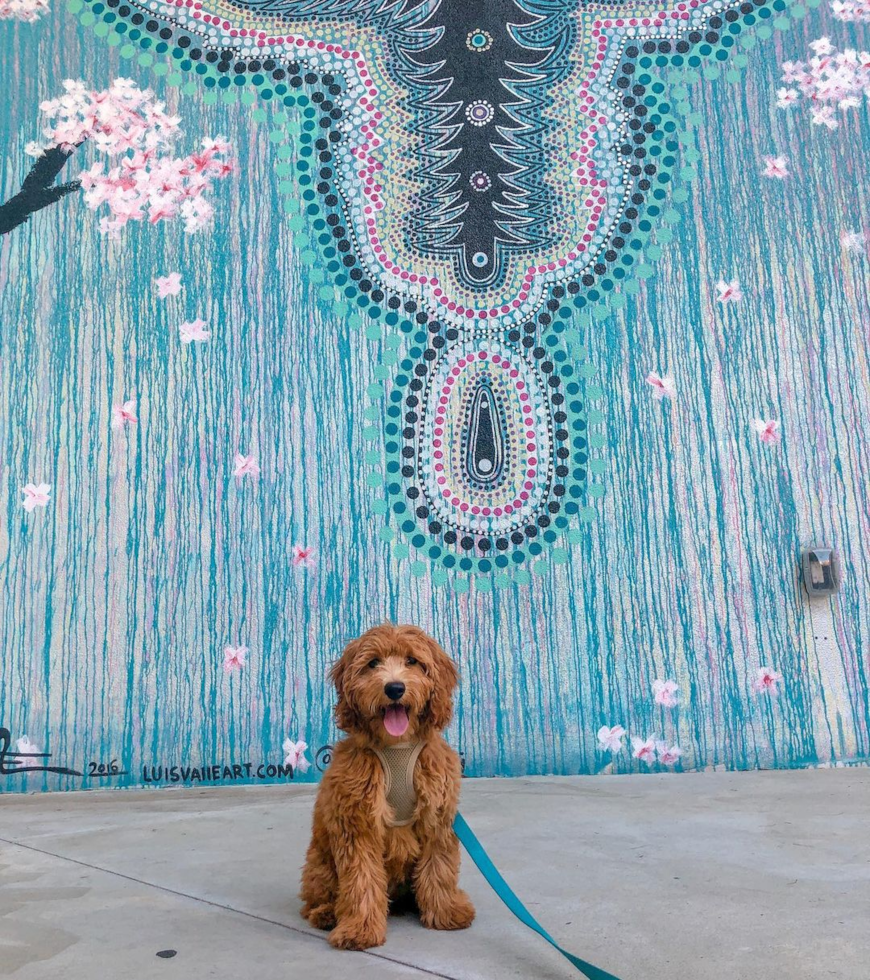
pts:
[12, 763]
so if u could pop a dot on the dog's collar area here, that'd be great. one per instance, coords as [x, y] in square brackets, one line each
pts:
[398, 762]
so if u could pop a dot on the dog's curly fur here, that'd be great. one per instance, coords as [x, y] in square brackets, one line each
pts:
[356, 864]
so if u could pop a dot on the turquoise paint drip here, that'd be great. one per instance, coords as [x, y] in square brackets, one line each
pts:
[116, 604]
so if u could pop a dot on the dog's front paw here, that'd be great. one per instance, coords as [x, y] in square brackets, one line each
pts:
[320, 916]
[456, 913]
[357, 934]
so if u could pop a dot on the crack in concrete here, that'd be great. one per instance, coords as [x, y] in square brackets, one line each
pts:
[226, 908]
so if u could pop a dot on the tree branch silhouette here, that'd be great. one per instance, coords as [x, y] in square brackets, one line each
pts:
[38, 191]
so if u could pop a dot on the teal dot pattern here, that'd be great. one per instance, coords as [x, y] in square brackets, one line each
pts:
[447, 523]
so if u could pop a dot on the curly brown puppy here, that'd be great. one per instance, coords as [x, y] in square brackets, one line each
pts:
[383, 820]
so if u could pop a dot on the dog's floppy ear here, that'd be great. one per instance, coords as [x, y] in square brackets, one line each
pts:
[346, 715]
[445, 677]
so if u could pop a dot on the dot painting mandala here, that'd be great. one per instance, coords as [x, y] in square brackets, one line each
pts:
[485, 175]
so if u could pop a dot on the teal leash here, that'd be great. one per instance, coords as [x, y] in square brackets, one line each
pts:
[504, 892]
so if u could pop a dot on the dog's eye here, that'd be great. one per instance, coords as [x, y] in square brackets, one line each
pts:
[373, 663]
[411, 661]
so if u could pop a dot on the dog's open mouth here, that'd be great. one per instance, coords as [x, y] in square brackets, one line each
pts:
[396, 720]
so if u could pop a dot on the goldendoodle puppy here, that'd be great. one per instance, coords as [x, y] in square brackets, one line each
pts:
[383, 820]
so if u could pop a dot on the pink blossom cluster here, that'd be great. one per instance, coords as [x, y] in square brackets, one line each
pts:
[647, 750]
[831, 80]
[28, 10]
[134, 130]
[851, 10]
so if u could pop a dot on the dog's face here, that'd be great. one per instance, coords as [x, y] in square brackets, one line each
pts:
[394, 683]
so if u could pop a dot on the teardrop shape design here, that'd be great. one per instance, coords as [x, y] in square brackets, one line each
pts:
[485, 428]
[485, 451]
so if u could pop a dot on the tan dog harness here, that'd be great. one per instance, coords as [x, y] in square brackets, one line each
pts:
[399, 762]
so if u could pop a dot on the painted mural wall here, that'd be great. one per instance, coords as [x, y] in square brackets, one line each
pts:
[223, 446]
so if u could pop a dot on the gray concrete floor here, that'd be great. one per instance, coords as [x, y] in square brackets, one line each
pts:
[713, 876]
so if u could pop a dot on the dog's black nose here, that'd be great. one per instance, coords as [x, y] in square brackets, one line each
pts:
[394, 690]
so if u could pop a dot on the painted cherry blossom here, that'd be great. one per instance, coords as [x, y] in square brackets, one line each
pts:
[824, 115]
[668, 755]
[294, 755]
[644, 749]
[775, 167]
[27, 10]
[729, 292]
[610, 739]
[830, 80]
[792, 71]
[822, 46]
[767, 681]
[234, 658]
[303, 556]
[124, 414]
[767, 430]
[142, 179]
[665, 693]
[194, 330]
[246, 466]
[854, 241]
[36, 495]
[786, 97]
[168, 285]
[851, 10]
[662, 387]
[23, 746]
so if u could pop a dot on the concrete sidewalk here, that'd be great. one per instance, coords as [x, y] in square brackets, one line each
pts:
[719, 876]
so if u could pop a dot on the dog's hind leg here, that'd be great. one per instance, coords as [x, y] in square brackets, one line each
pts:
[319, 887]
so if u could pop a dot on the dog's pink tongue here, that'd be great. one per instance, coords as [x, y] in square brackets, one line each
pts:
[396, 720]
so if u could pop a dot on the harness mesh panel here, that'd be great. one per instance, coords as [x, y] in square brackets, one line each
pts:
[398, 762]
